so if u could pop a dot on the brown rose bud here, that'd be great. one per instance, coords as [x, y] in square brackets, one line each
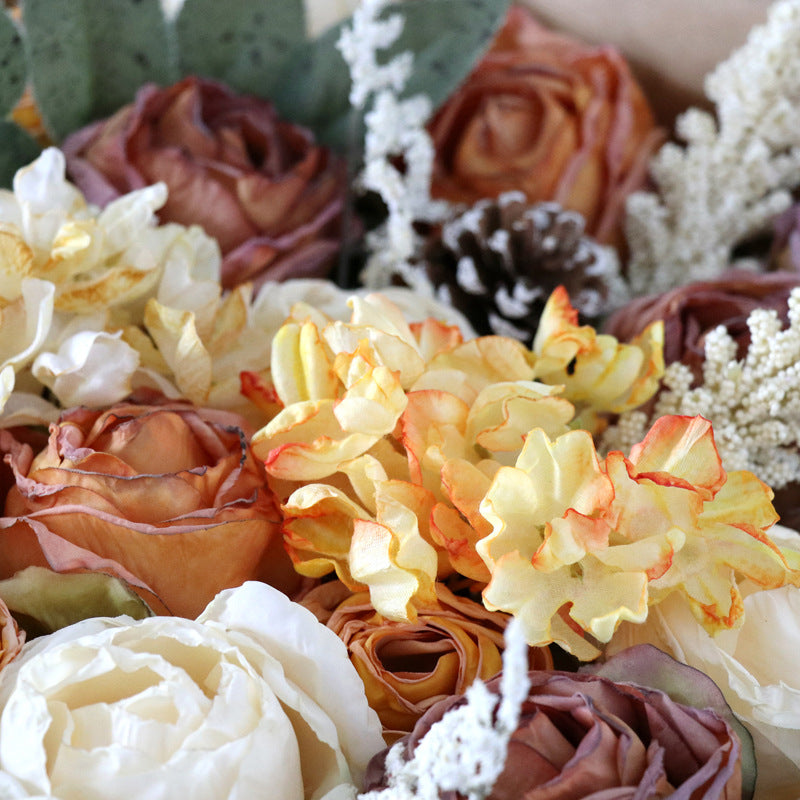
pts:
[692, 311]
[551, 117]
[408, 666]
[167, 497]
[259, 185]
[582, 736]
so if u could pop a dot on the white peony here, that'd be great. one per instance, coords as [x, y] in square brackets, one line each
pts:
[755, 666]
[253, 699]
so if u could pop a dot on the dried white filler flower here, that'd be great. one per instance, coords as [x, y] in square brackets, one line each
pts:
[394, 128]
[734, 174]
[753, 404]
[466, 750]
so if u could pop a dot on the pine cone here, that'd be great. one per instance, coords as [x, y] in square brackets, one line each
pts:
[499, 260]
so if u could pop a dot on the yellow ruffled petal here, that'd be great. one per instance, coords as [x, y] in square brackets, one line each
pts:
[305, 442]
[596, 370]
[393, 559]
[504, 413]
[318, 529]
[302, 365]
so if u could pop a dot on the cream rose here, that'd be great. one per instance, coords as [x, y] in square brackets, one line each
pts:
[253, 699]
[755, 666]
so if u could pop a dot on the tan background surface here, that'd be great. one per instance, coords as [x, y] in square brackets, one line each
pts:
[671, 44]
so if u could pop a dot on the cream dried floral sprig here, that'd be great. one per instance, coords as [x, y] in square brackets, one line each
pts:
[753, 403]
[735, 173]
[465, 751]
[395, 129]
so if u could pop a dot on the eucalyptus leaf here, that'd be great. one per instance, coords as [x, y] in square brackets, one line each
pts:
[243, 43]
[645, 665]
[88, 57]
[13, 68]
[54, 600]
[17, 149]
[446, 37]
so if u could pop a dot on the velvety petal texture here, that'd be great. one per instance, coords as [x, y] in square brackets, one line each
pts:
[271, 197]
[584, 737]
[254, 698]
[546, 115]
[166, 496]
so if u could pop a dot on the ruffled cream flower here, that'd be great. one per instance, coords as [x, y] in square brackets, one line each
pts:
[253, 699]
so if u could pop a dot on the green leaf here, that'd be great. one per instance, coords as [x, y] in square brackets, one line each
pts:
[446, 37]
[17, 150]
[243, 43]
[53, 601]
[12, 64]
[645, 665]
[88, 57]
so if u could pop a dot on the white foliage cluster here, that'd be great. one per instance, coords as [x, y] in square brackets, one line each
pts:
[466, 750]
[734, 174]
[394, 128]
[753, 403]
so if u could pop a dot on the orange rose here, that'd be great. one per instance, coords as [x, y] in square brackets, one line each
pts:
[167, 497]
[408, 666]
[551, 117]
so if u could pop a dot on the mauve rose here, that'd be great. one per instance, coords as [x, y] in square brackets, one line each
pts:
[551, 117]
[167, 497]
[258, 184]
[408, 666]
[583, 736]
[692, 311]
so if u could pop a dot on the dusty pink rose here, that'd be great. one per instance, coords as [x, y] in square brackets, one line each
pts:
[583, 736]
[692, 311]
[258, 184]
[551, 117]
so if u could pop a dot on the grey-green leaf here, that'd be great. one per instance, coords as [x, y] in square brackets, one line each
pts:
[17, 149]
[88, 57]
[52, 601]
[243, 43]
[445, 36]
[12, 64]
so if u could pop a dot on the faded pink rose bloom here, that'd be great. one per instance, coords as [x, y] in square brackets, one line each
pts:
[271, 197]
[584, 736]
[551, 117]
[692, 311]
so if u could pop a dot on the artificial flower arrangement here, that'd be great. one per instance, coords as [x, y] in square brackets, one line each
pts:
[394, 413]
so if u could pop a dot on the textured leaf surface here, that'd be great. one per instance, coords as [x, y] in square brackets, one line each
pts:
[12, 64]
[243, 43]
[445, 36]
[90, 56]
[16, 150]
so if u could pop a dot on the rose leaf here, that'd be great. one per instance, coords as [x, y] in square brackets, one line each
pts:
[242, 43]
[89, 57]
[646, 665]
[18, 150]
[445, 36]
[12, 64]
[51, 600]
